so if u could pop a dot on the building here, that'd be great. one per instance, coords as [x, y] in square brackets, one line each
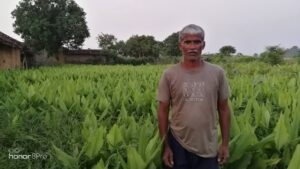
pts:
[66, 56]
[13, 54]
[10, 52]
[85, 56]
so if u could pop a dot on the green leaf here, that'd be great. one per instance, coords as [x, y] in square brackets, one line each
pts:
[258, 162]
[94, 142]
[265, 120]
[281, 133]
[234, 127]
[114, 136]
[242, 142]
[99, 165]
[295, 162]
[295, 126]
[15, 121]
[243, 162]
[90, 121]
[67, 160]
[122, 161]
[134, 159]
[257, 112]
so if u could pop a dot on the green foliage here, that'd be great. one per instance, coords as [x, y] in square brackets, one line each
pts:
[298, 58]
[217, 58]
[227, 50]
[273, 55]
[120, 47]
[142, 46]
[50, 24]
[106, 116]
[134, 61]
[107, 41]
[295, 163]
[67, 160]
[171, 46]
[245, 59]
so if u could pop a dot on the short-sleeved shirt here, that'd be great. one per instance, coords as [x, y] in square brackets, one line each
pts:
[193, 96]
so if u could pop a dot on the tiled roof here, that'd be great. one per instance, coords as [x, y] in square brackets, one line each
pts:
[93, 52]
[9, 41]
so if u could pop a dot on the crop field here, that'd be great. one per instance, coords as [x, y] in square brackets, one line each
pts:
[105, 117]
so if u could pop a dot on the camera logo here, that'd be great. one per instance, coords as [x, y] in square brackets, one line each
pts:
[14, 154]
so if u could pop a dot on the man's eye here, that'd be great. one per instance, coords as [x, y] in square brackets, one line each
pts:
[197, 42]
[187, 42]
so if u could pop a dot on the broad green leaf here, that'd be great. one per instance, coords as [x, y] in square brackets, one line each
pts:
[243, 162]
[234, 127]
[265, 117]
[153, 147]
[257, 112]
[143, 141]
[94, 142]
[281, 133]
[15, 121]
[295, 126]
[99, 165]
[295, 162]
[273, 161]
[114, 136]
[67, 160]
[241, 143]
[90, 121]
[134, 159]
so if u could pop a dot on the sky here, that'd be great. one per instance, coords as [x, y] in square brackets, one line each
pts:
[248, 25]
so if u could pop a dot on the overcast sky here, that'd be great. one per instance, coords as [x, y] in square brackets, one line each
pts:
[248, 25]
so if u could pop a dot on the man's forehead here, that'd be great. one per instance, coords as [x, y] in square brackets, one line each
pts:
[188, 36]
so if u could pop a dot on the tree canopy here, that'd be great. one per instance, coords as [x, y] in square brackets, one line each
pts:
[142, 46]
[273, 55]
[50, 24]
[107, 41]
[171, 45]
[227, 50]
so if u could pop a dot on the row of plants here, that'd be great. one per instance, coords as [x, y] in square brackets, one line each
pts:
[106, 116]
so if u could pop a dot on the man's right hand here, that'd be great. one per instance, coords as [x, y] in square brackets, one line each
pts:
[168, 156]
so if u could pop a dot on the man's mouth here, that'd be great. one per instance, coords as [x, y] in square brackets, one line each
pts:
[192, 53]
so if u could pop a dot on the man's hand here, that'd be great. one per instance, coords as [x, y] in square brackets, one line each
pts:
[168, 156]
[223, 154]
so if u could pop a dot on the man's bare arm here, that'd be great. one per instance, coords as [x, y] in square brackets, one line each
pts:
[163, 121]
[224, 118]
[163, 125]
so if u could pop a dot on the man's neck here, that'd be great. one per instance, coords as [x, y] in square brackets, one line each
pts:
[192, 64]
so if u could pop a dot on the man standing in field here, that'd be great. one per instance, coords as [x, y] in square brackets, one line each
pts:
[195, 91]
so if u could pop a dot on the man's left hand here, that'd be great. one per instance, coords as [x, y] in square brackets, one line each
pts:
[223, 154]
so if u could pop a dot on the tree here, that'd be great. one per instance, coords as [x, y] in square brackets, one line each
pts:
[171, 45]
[227, 50]
[298, 57]
[142, 46]
[120, 47]
[273, 55]
[50, 24]
[107, 41]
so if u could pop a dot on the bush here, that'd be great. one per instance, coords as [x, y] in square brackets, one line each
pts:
[273, 55]
[134, 61]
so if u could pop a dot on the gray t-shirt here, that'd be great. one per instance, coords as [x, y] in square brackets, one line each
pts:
[193, 97]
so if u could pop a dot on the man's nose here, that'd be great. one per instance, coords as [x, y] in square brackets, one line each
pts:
[193, 45]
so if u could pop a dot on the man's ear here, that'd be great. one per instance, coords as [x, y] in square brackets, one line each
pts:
[203, 46]
[179, 45]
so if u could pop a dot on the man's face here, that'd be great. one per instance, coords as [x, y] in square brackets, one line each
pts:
[191, 46]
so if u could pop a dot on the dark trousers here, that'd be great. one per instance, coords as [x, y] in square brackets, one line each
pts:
[184, 159]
